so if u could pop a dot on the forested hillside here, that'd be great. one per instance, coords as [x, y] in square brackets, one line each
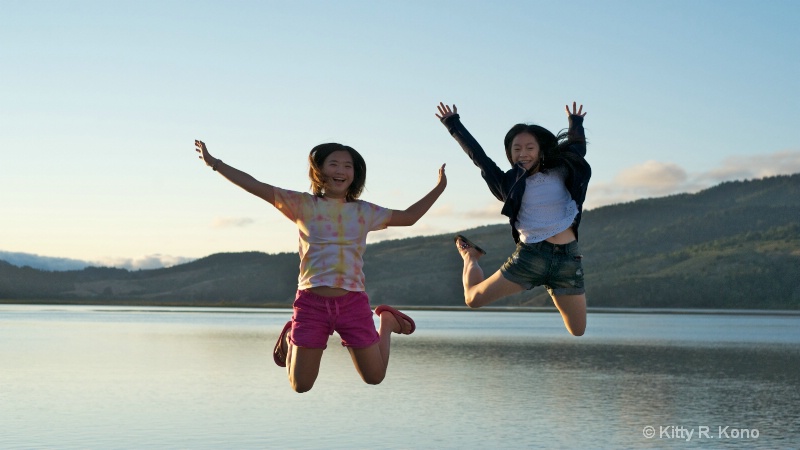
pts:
[736, 245]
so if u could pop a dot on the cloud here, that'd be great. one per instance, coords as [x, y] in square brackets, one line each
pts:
[444, 219]
[445, 210]
[755, 166]
[419, 229]
[57, 264]
[646, 180]
[653, 177]
[487, 211]
[42, 262]
[156, 261]
[657, 179]
[231, 222]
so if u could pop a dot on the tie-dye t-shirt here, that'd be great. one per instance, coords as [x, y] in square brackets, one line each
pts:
[333, 237]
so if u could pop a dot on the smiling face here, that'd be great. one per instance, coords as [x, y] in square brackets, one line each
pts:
[339, 173]
[525, 151]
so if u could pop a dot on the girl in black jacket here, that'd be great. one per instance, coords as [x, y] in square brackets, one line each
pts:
[542, 195]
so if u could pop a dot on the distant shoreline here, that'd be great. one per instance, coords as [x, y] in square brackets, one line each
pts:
[267, 308]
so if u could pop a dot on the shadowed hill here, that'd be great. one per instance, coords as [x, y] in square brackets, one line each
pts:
[736, 245]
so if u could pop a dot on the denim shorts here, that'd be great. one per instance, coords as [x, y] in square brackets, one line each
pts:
[556, 267]
[316, 317]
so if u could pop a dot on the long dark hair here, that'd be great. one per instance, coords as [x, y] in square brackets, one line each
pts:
[317, 158]
[551, 147]
[552, 151]
[546, 140]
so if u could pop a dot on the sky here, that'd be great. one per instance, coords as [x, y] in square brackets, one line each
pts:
[101, 102]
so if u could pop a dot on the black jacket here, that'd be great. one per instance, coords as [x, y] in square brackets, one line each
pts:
[509, 186]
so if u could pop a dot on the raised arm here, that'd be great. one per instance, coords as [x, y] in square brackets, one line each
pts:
[236, 176]
[414, 212]
[490, 172]
[576, 139]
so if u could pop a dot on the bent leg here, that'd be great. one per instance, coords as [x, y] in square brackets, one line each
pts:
[302, 366]
[372, 362]
[573, 312]
[478, 290]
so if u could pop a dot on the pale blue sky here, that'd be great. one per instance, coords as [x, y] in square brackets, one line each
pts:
[101, 102]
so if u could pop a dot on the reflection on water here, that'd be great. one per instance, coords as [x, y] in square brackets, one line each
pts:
[113, 378]
[604, 395]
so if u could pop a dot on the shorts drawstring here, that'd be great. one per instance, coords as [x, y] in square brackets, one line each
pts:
[328, 301]
[331, 316]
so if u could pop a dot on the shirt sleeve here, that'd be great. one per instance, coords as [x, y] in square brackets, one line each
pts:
[575, 136]
[377, 217]
[290, 203]
[490, 172]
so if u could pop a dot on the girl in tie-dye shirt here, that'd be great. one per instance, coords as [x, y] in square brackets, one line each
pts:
[333, 225]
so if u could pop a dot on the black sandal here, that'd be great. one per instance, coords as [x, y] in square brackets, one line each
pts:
[468, 243]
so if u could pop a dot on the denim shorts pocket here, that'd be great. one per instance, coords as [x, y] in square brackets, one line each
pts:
[570, 272]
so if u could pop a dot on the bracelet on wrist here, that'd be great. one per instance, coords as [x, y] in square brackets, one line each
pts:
[216, 163]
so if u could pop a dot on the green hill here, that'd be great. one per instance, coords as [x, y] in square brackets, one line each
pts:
[736, 245]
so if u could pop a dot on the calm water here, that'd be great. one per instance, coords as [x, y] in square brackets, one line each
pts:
[96, 377]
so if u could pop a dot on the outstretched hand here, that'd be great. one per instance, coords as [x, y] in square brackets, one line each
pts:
[445, 111]
[200, 147]
[576, 111]
[442, 176]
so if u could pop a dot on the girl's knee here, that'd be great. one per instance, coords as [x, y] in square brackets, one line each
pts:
[374, 378]
[301, 387]
[301, 383]
[474, 299]
[577, 331]
[470, 301]
[372, 374]
[576, 328]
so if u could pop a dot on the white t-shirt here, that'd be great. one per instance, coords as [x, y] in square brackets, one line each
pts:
[547, 207]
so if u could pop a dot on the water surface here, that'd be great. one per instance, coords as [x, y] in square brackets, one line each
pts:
[100, 377]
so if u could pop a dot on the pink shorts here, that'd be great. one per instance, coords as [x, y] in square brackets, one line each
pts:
[316, 317]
